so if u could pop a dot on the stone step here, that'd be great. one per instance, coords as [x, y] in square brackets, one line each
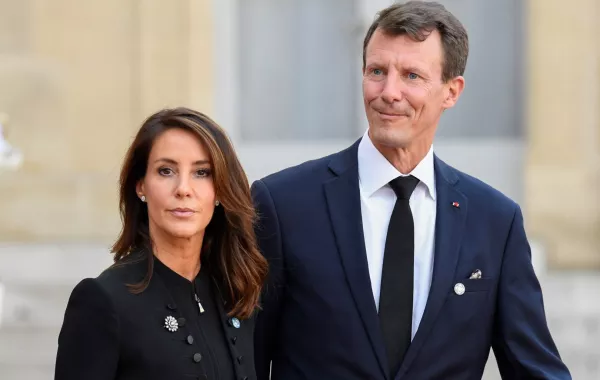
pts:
[58, 263]
[567, 293]
[29, 372]
[25, 347]
[38, 279]
[33, 306]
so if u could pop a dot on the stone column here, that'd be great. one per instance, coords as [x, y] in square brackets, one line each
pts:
[176, 60]
[563, 163]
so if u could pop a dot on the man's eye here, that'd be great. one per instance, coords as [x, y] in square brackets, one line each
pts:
[377, 71]
[413, 76]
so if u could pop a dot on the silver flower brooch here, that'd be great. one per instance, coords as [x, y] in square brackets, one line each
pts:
[171, 324]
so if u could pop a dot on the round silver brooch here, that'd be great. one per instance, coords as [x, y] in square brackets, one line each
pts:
[459, 289]
[171, 324]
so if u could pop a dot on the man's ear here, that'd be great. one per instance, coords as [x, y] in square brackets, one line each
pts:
[454, 88]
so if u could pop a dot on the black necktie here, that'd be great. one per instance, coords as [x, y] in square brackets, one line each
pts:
[396, 293]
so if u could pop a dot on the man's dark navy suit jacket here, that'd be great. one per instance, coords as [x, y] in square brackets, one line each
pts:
[319, 320]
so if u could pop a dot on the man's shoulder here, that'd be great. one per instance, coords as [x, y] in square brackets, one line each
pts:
[306, 173]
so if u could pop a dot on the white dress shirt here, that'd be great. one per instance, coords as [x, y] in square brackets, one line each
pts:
[377, 203]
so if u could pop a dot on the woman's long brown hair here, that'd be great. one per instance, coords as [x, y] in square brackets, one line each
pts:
[229, 247]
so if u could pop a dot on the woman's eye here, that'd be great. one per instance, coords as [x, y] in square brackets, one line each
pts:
[203, 173]
[165, 171]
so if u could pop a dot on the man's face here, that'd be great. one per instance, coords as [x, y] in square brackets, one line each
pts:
[403, 90]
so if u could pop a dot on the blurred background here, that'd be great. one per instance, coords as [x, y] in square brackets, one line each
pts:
[77, 78]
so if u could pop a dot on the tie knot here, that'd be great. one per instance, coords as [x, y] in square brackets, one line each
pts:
[403, 186]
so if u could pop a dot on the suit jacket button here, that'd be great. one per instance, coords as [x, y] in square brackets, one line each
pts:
[239, 359]
[233, 340]
[190, 339]
[181, 322]
[171, 306]
[197, 357]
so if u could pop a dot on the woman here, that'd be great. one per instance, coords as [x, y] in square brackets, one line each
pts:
[178, 301]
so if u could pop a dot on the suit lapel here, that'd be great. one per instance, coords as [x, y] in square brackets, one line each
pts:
[343, 201]
[449, 229]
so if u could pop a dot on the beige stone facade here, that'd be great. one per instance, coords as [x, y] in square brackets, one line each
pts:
[563, 166]
[78, 77]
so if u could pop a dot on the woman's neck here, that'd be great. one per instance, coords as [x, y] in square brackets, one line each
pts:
[181, 256]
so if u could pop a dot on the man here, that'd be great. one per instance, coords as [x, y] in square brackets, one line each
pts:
[386, 263]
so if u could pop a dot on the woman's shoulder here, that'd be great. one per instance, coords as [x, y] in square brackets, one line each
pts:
[129, 270]
[112, 292]
[113, 280]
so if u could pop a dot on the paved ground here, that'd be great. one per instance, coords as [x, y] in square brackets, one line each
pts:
[38, 280]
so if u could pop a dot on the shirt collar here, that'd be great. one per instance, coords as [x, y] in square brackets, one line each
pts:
[375, 171]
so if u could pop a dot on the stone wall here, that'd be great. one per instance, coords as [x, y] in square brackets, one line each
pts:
[77, 79]
[563, 170]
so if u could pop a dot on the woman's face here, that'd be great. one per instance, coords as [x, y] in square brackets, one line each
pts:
[178, 186]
